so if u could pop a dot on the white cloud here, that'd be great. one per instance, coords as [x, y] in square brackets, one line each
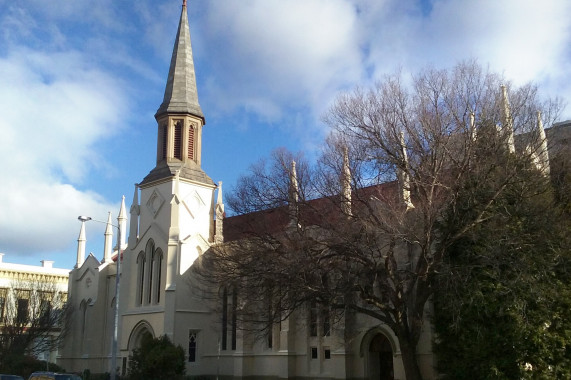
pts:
[293, 53]
[524, 40]
[55, 108]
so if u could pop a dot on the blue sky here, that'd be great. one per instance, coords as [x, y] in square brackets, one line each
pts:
[81, 80]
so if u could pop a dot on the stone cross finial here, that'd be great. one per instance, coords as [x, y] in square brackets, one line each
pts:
[507, 122]
[346, 183]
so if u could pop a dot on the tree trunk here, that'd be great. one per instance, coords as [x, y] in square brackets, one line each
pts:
[410, 364]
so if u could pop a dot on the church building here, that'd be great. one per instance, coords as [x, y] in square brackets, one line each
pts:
[176, 216]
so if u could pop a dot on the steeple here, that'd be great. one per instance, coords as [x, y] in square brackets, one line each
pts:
[181, 95]
[179, 117]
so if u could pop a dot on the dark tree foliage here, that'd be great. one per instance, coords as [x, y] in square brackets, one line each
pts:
[157, 359]
[502, 309]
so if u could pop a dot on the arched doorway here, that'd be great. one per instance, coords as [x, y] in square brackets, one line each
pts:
[142, 328]
[139, 331]
[380, 358]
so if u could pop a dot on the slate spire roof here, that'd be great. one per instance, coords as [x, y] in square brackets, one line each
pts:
[181, 95]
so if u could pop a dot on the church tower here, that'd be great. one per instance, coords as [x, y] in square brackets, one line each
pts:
[173, 223]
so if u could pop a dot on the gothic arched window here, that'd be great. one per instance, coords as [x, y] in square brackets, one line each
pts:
[140, 277]
[151, 273]
[157, 266]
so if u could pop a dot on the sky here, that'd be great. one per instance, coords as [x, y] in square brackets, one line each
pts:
[80, 82]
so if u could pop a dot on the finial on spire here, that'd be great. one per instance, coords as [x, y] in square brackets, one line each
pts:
[346, 183]
[122, 220]
[294, 188]
[184, 3]
[543, 151]
[219, 199]
[219, 210]
[403, 175]
[293, 197]
[507, 122]
[108, 242]
[473, 126]
[81, 246]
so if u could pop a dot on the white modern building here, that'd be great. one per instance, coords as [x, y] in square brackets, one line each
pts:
[26, 289]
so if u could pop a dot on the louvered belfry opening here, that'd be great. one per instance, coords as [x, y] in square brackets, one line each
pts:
[164, 141]
[178, 139]
[191, 143]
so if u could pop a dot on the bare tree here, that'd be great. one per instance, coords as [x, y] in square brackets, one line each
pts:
[406, 150]
[34, 318]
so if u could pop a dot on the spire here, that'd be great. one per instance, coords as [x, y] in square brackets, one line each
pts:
[134, 220]
[180, 118]
[543, 152]
[108, 242]
[473, 126]
[293, 195]
[219, 235]
[346, 183]
[81, 246]
[507, 121]
[122, 219]
[181, 95]
[293, 186]
[403, 175]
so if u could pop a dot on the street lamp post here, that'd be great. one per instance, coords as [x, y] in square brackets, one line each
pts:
[117, 283]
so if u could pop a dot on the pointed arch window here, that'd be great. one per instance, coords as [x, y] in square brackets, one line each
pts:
[192, 345]
[234, 317]
[83, 320]
[229, 317]
[140, 277]
[151, 273]
[224, 318]
[158, 263]
[147, 275]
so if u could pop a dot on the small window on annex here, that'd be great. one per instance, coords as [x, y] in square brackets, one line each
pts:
[192, 345]
[22, 306]
[314, 352]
